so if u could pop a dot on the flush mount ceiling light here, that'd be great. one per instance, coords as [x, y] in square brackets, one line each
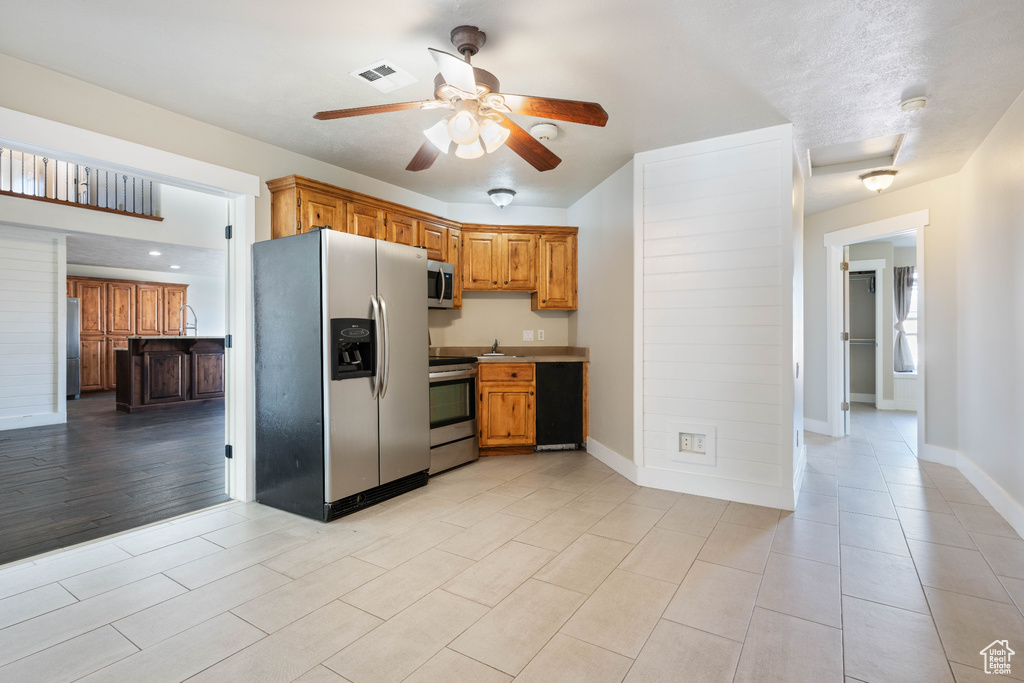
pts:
[175, 267]
[913, 103]
[544, 131]
[878, 180]
[501, 197]
[154, 253]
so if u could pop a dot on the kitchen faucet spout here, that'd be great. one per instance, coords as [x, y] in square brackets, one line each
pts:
[494, 348]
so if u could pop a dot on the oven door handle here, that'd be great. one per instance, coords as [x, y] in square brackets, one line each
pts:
[444, 376]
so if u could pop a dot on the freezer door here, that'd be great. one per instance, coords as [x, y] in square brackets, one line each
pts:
[349, 281]
[74, 340]
[405, 392]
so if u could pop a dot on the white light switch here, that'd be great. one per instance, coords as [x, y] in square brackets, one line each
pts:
[527, 335]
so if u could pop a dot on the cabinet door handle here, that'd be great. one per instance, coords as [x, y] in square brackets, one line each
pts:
[543, 301]
[495, 282]
[515, 374]
[531, 393]
[506, 282]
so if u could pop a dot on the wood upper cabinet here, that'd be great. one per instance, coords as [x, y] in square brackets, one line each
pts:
[518, 262]
[452, 256]
[149, 310]
[174, 297]
[435, 239]
[92, 296]
[318, 210]
[402, 229]
[481, 261]
[556, 277]
[507, 411]
[120, 308]
[364, 220]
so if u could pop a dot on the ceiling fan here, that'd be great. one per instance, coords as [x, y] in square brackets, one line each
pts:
[479, 123]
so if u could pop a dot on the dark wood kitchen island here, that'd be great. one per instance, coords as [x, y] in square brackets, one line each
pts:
[165, 372]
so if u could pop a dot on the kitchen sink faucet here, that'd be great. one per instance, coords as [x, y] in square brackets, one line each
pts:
[494, 348]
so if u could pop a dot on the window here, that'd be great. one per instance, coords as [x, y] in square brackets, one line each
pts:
[911, 323]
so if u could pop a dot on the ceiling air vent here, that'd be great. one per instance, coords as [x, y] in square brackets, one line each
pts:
[384, 76]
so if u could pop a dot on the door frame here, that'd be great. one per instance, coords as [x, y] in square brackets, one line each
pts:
[834, 243]
[876, 265]
[239, 188]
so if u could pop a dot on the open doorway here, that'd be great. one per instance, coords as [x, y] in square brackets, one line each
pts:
[119, 463]
[876, 330]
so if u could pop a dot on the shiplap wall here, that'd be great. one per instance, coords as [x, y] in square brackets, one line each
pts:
[33, 316]
[716, 230]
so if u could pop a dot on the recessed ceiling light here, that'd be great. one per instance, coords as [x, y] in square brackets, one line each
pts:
[154, 253]
[175, 267]
[913, 103]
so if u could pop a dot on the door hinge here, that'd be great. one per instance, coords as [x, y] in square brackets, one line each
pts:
[844, 406]
[227, 451]
[228, 233]
[298, 225]
[298, 201]
[227, 341]
[845, 265]
[845, 336]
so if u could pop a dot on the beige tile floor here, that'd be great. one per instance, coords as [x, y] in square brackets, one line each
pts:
[547, 567]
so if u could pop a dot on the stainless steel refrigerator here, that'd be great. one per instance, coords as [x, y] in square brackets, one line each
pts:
[74, 349]
[341, 375]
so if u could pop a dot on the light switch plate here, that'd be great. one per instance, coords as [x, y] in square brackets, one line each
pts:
[527, 335]
[540, 335]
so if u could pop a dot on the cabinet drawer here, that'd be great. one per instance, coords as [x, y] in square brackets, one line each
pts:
[505, 372]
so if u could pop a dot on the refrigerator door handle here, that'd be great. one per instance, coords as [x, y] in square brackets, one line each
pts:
[378, 369]
[387, 347]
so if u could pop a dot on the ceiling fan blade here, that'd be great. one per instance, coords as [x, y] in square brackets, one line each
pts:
[456, 71]
[424, 158]
[376, 109]
[590, 113]
[527, 146]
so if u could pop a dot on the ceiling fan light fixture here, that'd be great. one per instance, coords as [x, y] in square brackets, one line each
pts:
[493, 135]
[876, 181]
[438, 135]
[501, 197]
[473, 150]
[463, 126]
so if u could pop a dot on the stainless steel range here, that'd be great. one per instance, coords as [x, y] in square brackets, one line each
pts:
[453, 436]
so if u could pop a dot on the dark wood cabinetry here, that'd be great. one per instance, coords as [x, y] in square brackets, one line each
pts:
[159, 372]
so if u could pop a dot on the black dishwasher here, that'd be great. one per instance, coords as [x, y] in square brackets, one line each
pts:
[560, 404]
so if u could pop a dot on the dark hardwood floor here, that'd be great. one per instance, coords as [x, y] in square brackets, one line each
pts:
[105, 472]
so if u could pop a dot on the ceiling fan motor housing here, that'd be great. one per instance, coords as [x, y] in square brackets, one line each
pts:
[468, 40]
[484, 79]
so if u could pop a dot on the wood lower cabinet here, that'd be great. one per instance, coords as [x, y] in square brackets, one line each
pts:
[506, 411]
[109, 360]
[92, 355]
[556, 277]
[164, 372]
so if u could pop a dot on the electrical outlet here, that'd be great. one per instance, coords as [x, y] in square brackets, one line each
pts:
[685, 441]
[540, 335]
[700, 443]
[527, 335]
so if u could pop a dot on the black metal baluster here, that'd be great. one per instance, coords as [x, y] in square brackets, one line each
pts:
[88, 188]
[124, 192]
[133, 194]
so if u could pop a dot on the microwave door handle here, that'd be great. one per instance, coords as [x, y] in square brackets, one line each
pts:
[440, 272]
[378, 350]
[387, 347]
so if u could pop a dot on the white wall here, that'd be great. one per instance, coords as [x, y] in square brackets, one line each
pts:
[33, 333]
[206, 295]
[604, 320]
[193, 218]
[942, 200]
[716, 222]
[990, 264]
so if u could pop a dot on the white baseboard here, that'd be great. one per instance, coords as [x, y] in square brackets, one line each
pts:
[1003, 502]
[885, 404]
[910, 404]
[817, 426]
[862, 398]
[32, 421]
[943, 456]
[619, 463]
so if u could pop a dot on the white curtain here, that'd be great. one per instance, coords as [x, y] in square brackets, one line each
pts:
[902, 360]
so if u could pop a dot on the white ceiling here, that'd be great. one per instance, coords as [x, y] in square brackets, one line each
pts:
[666, 71]
[120, 252]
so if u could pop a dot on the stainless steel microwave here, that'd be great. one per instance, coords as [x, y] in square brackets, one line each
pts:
[440, 284]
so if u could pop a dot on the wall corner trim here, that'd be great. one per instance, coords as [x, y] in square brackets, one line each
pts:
[616, 461]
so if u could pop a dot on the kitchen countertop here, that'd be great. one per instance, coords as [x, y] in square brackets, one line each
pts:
[519, 354]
